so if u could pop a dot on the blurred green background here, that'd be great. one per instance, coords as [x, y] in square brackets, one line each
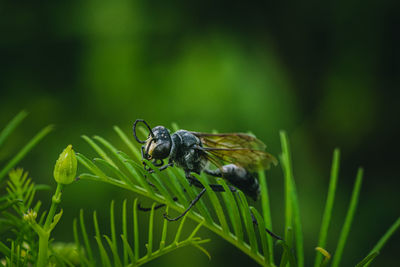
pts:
[327, 72]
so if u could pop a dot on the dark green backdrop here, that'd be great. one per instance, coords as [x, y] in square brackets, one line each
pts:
[327, 72]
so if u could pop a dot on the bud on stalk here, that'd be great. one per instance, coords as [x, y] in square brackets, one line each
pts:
[65, 168]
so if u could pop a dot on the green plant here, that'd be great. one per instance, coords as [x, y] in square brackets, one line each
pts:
[26, 249]
[7, 131]
[117, 168]
[130, 256]
[64, 173]
[18, 198]
[21, 190]
[29, 240]
[227, 214]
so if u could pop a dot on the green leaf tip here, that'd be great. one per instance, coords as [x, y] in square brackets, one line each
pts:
[196, 245]
[367, 260]
[56, 219]
[325, 253]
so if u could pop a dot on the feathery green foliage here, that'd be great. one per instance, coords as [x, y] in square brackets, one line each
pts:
[117, 168]
[228, 214]
[21, 192]
[108, 248]
[18, 199]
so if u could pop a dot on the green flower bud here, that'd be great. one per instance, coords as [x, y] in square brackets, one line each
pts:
[65, 168]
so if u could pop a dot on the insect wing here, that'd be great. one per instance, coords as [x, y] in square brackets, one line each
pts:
[249, 159]
[241, 149]
[230, 140]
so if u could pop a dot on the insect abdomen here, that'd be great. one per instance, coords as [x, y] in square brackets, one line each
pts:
[242, 179]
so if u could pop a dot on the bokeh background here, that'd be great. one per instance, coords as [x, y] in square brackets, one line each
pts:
[326, 72]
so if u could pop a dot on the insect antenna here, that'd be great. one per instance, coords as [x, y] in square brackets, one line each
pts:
[134, 130]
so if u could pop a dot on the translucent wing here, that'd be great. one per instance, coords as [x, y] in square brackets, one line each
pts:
[241, 149]
[230, 140]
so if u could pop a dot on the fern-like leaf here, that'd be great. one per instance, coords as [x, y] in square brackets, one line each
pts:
[21, 191]
[117, 168]
[108, 245]
[226, 214]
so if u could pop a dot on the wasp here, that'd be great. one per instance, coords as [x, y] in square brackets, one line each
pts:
[236, 156]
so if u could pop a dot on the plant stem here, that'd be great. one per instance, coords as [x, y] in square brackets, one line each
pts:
[55, 200]
[43, 246]
[45, 234]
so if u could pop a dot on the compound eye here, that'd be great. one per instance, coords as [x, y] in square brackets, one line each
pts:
[161, 151]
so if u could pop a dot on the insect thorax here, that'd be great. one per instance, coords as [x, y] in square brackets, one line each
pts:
[184, 153]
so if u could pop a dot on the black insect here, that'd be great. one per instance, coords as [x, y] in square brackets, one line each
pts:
[194, 151]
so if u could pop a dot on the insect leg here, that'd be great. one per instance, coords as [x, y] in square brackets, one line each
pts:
[147, 168]
[158, 206]
[266, 229]
[194, 201]
[170, 164]
[155, 208]
[195, 182]
[217, 173]
[142, 151]
[214, 187]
